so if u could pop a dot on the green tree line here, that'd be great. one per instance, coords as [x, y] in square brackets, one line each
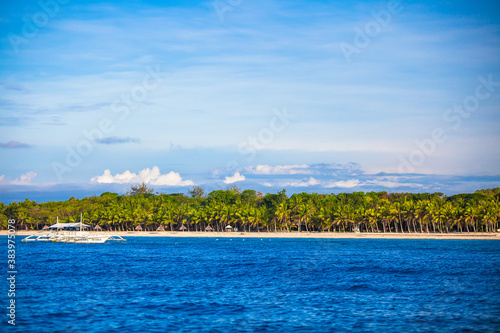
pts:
[249, 210]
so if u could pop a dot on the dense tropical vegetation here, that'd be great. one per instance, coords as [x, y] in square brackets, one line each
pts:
[249, 210]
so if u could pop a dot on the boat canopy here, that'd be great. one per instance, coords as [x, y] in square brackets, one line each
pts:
[68, 225]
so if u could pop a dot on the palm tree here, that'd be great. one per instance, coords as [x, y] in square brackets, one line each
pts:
[283, 214]
[421, 214]
[258, 215]
[471, 216]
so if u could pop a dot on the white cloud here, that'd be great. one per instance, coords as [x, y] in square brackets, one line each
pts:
[172, 179]
[350, 183]
[149, 176]
[326, 184]
[323, 169]
[303, 183]
[233, 179]
[279, 169]
[24, 179]
[391, 184]
[344, 183]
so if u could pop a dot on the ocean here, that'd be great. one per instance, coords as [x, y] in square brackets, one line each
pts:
[151, 284]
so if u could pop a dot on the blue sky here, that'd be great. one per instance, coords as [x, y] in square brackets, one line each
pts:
[324, 96]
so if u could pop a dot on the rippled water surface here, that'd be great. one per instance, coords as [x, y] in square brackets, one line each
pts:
[248, 285]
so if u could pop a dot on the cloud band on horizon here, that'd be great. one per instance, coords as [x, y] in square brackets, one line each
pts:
[149, 176]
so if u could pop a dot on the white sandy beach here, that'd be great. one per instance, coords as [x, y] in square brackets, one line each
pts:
[327, 235]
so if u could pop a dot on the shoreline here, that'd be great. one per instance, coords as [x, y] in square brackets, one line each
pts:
[320, 235]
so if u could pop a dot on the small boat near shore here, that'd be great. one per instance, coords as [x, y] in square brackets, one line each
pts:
[72, 233]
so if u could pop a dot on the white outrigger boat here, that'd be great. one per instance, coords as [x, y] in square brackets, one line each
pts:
[71, 233]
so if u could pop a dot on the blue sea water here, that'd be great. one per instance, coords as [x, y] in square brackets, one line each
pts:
[254, 285]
